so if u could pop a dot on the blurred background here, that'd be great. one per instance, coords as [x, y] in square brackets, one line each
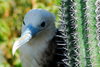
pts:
[12, 13]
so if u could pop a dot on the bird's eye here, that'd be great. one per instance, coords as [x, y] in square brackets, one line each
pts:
[23, 22]
[42, 24]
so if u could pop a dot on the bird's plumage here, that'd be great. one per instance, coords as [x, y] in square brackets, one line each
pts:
[42, 55]
[38, 42]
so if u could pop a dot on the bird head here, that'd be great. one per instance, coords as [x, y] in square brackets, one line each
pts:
[36, 23]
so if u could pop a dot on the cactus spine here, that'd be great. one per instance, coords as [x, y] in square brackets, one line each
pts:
[82, 32]
[97, 3]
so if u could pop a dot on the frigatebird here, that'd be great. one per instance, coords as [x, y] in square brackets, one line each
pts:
[38, 44]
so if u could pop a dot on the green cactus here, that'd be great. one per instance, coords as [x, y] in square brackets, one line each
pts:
[80, 21]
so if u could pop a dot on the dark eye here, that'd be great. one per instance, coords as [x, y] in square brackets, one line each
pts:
[23, 22]
[42, 24]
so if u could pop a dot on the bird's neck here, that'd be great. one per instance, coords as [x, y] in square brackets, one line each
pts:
[32, 53]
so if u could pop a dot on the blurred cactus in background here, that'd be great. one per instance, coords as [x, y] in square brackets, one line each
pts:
[81, 22]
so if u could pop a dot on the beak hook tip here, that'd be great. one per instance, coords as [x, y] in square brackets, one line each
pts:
[14, 48]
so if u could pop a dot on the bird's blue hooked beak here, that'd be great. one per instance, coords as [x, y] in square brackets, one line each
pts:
[28, 34]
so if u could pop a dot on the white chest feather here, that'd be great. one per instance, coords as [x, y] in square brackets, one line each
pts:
[31, 53]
